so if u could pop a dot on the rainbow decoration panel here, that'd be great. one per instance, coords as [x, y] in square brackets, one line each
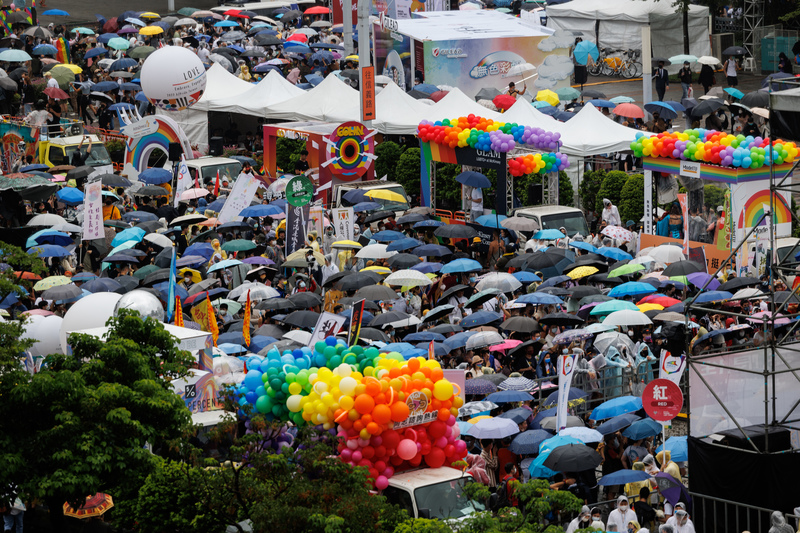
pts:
[730, 175]
[148, 134]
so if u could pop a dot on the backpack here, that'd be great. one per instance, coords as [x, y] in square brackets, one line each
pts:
[500, 499]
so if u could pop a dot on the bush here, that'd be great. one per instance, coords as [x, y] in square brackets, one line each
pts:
[566, 193]
[611, 189]
[589, 188]
[388, 153]
[631, 204]
[287, 152]
[408, 171]
[713, 196]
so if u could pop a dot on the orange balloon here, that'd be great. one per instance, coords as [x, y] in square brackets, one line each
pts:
[373, 386]
[436, 404]
[417, 384]
[366, 419]
[436, 374]
[395, 372]
[358, 425]
[364, 403]
[444, 415]
[373, 428]
[380, 398]
[428, 384]
[400, 411]
[426, 371]
[382, 414]
[413, 364]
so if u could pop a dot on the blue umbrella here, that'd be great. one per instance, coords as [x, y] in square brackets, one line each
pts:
[459, 340]
[614, 253]
[518, 415]
[710, 334]
[537, 468]
[426, 88]
[104, 38]
[403, 244]
[584, 50]
[259, 342]
[48, 236]
[106, 86]
[217, 204]
[44, 50]
[439, 349]
[202, 249]
[231, 337]
[261, 210]
[123, 63]
[231, 348]
[55, 13]
[602, 103]
[541, 106]
[713, 296]
[678, 448]
[102, 285]
[295, 47]
[470, 177]
[574, 394]
[48, 250]
[539, 298]
[616, 406]
[432, 250]
[70, 196]
[427, 267]
[94, 52]
[398, 347]
[641, 429]
[366, 319]
[314, 79]
[631, 288]
[323, 56]
[191, 261]
[163, 288]
[558, 440]
[555, 280]
[128, 86]
[481, 318]
[617, 423]
[580, 245]
[226, 24]
[507, 396]
[736, 93]
[355, 196]
[423, 336]
[155, 176]
[428, 224]
[528, 442]
[563, 116]
[35, 166]
[388, 236]
[548, 235]
[120, 106]
[366, 206]
[479, 386]
[129, 234]
[662, 108]
[491, 221]
[526, 277]
[677, 106]
[459, 265]
[222, 265]
[263, 68]
[621, 477]
[140, 97]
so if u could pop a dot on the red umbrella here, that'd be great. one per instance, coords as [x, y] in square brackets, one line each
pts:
[659, 299]
[94, 506]
[629, 110]
[298, 37]
[232, 12]
[504, 101]
[317, 10]
[438, 95]
[111, 25]
[56, 93]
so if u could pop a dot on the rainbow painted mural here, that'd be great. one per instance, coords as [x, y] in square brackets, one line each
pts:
[758, 204]
[148, 134]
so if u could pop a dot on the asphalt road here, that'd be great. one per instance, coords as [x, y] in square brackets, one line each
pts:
[83, 10]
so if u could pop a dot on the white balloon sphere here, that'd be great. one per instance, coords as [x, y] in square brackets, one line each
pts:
[91, 311]
[45, 331]
[173, 78]
[144, 302]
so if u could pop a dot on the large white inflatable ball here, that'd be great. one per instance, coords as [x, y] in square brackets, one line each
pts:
[92, 311]
[144, 302]
[45, 331]
[173, 78]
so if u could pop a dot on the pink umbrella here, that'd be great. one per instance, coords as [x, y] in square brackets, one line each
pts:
[438, 95]
[191, 194]
[616, 232]
[766, 316]
[58, 178]
[40, 312]
[505, 345]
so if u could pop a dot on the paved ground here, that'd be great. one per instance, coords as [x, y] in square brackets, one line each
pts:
[83, 10]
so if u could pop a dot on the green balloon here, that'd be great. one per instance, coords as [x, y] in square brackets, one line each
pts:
[320, 346]
[263, 404]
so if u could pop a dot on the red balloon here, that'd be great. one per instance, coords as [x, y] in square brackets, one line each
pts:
[380, 451]
[449, 450]
[390, 439]
[427, 448]
[436, 458]
[436, 429]
[368, 452]
[416, 460]
[396, 460]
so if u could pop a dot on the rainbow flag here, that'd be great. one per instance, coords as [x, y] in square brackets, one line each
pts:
[246, 321]
[61, 44]
[178, 312]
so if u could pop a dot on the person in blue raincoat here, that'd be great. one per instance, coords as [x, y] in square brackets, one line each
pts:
[619, 365]
[642, 360]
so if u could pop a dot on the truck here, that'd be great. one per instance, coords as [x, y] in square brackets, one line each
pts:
[397, 207]
[555, 217]
[204, 168]
[55, 151]
[432, 493]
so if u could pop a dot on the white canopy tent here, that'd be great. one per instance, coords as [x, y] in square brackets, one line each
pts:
[457, 104]
[273, 89]
[616, 24]
[323, 102]
[592, 133]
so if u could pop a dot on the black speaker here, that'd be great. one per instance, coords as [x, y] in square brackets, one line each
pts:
[779, 438]
[215, 146]
[534, 194]
[175, 151]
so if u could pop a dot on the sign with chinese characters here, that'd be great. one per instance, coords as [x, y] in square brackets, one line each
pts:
[296, 228]
[328, 325]
[93, 211]
[367, 93]
[417, 404]
[244, 189]
[343, 218]
[417, 420]
[662, 400]
[299, 191]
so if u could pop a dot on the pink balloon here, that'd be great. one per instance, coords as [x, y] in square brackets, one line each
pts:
[389, 472]
[352, 444]
[441, 442]
[461, 446]
[381, 483]
[456, 431]
[357, 456]
[347, 454]
[407, 449]
[451, 421]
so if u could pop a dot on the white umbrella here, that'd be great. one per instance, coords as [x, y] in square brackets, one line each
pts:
[708, 60]
[259, 292]
[613, 338]
[501, 281]
[666, 253]
[68, 228]
[404, 323]
[159, 240]
[549, 422]
[320, 24]
[375, 251]
[483, 339]
[627, 317]
[520, 224]
[599, 328]
[191, 194]
[303, 337]
[494, 428]
[408, 278]
[46, 220]
[749, 292]
[306, 31]
[583, 434]
[186, 22]
[242, 289]
[617, 232]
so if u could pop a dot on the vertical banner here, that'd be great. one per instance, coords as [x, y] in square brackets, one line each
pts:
[296, 228]
[212, 319]
[566, 368]
[328, 325]
[367, 93]
[699, 256]
[685, 213]
[179, 312]
[172, 282]
[355, 322]
[315, 219]
[671, 367]
[243, 192]
[93, 211]
[723, 234]
[431, 351]
[199, 314]
[648, 202]
[183, 182]
[246, 321]
[343, 223]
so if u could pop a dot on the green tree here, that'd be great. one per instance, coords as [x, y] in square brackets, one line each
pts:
[611, 189]
[388, 155]
[589, 188]
[566, 193]
[631, 204]
[287, 153]
[82, 424]
[408, 167]
[713, 195]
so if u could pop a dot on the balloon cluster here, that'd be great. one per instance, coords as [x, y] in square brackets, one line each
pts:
[363, 394]
[715, 147]
[535, 163]
[485, 134]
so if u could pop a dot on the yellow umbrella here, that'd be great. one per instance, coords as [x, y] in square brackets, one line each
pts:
[347, 245]
[650, 307]
[352, 57]
[52, 281]
[151, 30]
[547, 96]
[479, 418]
[380, 270]
[196, 277]
[301, 254]
[149, 15]
[385, 194]
[582, 272]
[75, 69]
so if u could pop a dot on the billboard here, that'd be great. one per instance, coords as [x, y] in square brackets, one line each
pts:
[393, 57]
[750, 201]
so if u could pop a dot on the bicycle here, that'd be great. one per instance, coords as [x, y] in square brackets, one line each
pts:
[625, 65]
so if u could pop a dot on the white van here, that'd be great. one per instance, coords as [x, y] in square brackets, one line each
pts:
[207, 167]
[555, 217]
[432, 493]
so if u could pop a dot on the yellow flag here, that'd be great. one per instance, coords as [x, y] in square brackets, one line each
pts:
[246, 321]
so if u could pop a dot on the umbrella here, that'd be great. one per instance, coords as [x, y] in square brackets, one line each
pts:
[627, 317]
[561, 319]
[478, 386]
[62, 292]
[508, 396]
[583, 51]
[547, 96]
[582, 434]
[706, 107]
[528, 442]
[708, 60]
[517, 384]
[621, 477]
[677, 447]
[617, 423]
[473, 179]
[494, 428]
[734, 51]
[616, 406]
[456, 231]
[462, 265]
[631, 288]
[628, 110]
[53, 281]
[94, 505]
[641, 429]
[572, 458]
[302, 319]
[672, 489]
[520, 223]
[483, 339]
[48, 250]
[682, 267]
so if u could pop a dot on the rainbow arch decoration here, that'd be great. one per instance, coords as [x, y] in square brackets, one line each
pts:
[153, 132]
[751, 201]
[759, 204]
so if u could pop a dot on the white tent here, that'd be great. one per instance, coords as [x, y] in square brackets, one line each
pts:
[323, 102]
[592, 133]
[616, 24]
[524, 114]
[273, 89]
[457, 104]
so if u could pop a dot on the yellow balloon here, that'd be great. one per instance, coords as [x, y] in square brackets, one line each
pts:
[442, 390]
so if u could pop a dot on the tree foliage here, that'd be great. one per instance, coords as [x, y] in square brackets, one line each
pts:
[589, 189]
[611, 188]
[19, 262]
[631, 204]
[566, 193]
[408, 171]
[713, 195]
[388, 155]
[287, 153]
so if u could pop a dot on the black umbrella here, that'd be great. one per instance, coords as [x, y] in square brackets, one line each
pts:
[253, 53]
[62, 292]
[419, 95]
[539, 261]
[156, 277]
[302, 319]
[336, 277]
[603, 278]
[128, 282]
[657, 60]
[292, 14]
[519, 261]
[150, 226]
[706, 107]
[79, 172]
[734, 51]
[276, 304]
[410, 218]
[522, 324]
[452, 290]
[561, 319]
[374, 334]
[573, 458]
[592, 93]
[402, 261]
[268, 40]
[357, 281]
[204, 285]
[270, 330]
[739, 283]
[114, 180]
[151, 190]
[369, 305]
[555, 291]
[582, 291]
[586, 300]
[782, 296]
[391, 316]
[456, 231]
[683, 268]
[305, 299]
[163, 258]
[376, 292]
[756, 99]
[522, 347]
[444, 329]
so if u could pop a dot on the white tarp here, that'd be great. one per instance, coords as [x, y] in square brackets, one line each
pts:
[273, 89]
[621, 22]
[524, 114]
[220, 84]
[457, 104]
[323, 102]
[592, 133]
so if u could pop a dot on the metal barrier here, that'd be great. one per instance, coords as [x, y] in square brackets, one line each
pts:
[715, 514]
[460, 215]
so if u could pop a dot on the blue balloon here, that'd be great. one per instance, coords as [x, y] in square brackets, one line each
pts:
[253, 380]
[297, 353]
[264, 366]
[319, 360]
[261, 391]
[250, 397]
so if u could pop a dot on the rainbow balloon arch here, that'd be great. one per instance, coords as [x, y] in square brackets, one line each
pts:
[482, 142]
[391, 413]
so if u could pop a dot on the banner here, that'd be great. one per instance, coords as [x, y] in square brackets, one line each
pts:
[328, 325]
[242, 194]
[212, 319]
[566, 368]
[296, 228]
[184, 181]
[698, 255]
[355, 322]
[685, 213]
[671, 367]
[431, 351]
[343, 223]
[199, 314]
[93, 211]
[315, 219]
[172, 282]
[179, 314]
[723, 234]
[246, 321]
